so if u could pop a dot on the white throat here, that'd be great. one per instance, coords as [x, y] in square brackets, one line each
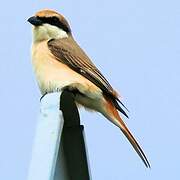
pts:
[47, 31]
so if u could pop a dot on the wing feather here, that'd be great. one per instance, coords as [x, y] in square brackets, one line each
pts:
[68, 52]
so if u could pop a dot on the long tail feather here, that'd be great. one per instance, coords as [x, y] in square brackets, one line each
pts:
[119, 122]
[133, 142]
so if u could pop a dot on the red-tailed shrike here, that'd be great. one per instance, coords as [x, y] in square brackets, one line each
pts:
[59, 63]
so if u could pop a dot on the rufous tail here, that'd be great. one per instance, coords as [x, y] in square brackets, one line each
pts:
[116, 119]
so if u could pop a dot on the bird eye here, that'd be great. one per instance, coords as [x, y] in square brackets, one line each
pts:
[55, 19]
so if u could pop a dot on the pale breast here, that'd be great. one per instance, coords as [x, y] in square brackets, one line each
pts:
[53, 75]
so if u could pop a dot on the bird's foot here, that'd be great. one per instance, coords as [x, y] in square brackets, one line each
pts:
[42, 96]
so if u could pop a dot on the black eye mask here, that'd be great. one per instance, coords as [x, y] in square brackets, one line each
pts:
[55, 22]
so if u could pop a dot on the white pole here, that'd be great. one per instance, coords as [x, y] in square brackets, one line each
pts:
[58, 155]
[47, 140]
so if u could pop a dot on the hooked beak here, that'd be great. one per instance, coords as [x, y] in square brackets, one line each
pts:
[35, 21]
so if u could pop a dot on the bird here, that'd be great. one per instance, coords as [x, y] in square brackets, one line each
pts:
[60, 64]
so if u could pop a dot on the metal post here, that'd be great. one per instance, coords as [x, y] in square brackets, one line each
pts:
[73, 140]
[59, 153]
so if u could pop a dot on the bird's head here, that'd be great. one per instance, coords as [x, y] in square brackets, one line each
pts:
[48, 24]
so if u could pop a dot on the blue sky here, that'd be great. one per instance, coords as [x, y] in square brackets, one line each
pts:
[136, 46]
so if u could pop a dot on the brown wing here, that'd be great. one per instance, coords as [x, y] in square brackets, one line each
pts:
[68, 52]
